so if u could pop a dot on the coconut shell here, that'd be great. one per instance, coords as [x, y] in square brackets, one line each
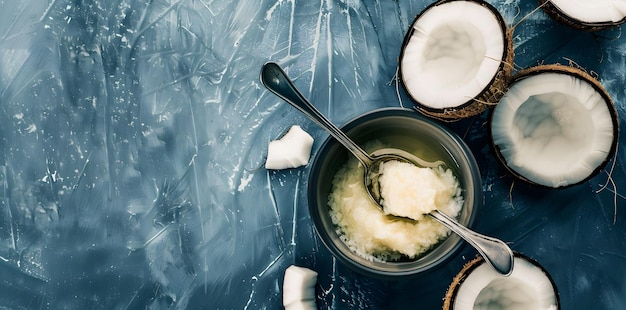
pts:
[557, 14]
[580, 74]
[460, 277]
[493, 91]
[451, 293]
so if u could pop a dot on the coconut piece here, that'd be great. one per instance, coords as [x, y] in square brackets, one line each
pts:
[291, 151]
[590, 15]
[555, 127]
[299, 288]
[477, 286]
[456, 59]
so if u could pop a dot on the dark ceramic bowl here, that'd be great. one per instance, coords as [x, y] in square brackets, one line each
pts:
[404, 129]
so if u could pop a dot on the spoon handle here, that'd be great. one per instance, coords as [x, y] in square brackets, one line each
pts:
[276, 81]
[495, 252]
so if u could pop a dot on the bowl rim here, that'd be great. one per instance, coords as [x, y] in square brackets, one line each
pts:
[328, 241]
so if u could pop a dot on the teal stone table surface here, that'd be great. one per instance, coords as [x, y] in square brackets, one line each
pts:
[133, 136]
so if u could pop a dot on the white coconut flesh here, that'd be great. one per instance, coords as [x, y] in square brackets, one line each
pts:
[593, 11]
[553, 129]
[454, 52]
[527, 288]
[299, 288]
[291, 151]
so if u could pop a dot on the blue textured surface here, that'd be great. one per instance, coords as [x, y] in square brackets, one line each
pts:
[133, 136]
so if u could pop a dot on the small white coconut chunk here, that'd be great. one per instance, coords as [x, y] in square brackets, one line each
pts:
[527, 288]
[411, 191]
[554, 129]
[593, 11]
[291, 151]
[454, 53]
[299, 288]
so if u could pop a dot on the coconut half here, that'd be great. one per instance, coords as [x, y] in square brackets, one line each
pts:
[478, 287]
[456, 58]
[588, 15]
[555, 127]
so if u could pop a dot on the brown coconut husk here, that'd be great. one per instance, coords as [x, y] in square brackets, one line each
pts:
[576, 71]
[469, 267]
[453, 289]
[557, 14]
[493, 91]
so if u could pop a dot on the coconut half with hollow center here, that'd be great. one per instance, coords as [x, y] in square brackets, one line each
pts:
[590, 15]
[555, 127]
[478, 287]
[456, 59]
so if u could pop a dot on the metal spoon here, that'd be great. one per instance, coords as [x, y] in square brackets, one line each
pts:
[494, 251]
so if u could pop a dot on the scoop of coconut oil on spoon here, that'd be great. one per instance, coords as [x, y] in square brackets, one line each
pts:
[494, 251]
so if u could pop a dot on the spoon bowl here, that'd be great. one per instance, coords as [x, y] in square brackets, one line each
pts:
[495, 252]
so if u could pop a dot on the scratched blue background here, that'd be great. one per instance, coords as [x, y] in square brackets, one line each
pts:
[133, 136]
